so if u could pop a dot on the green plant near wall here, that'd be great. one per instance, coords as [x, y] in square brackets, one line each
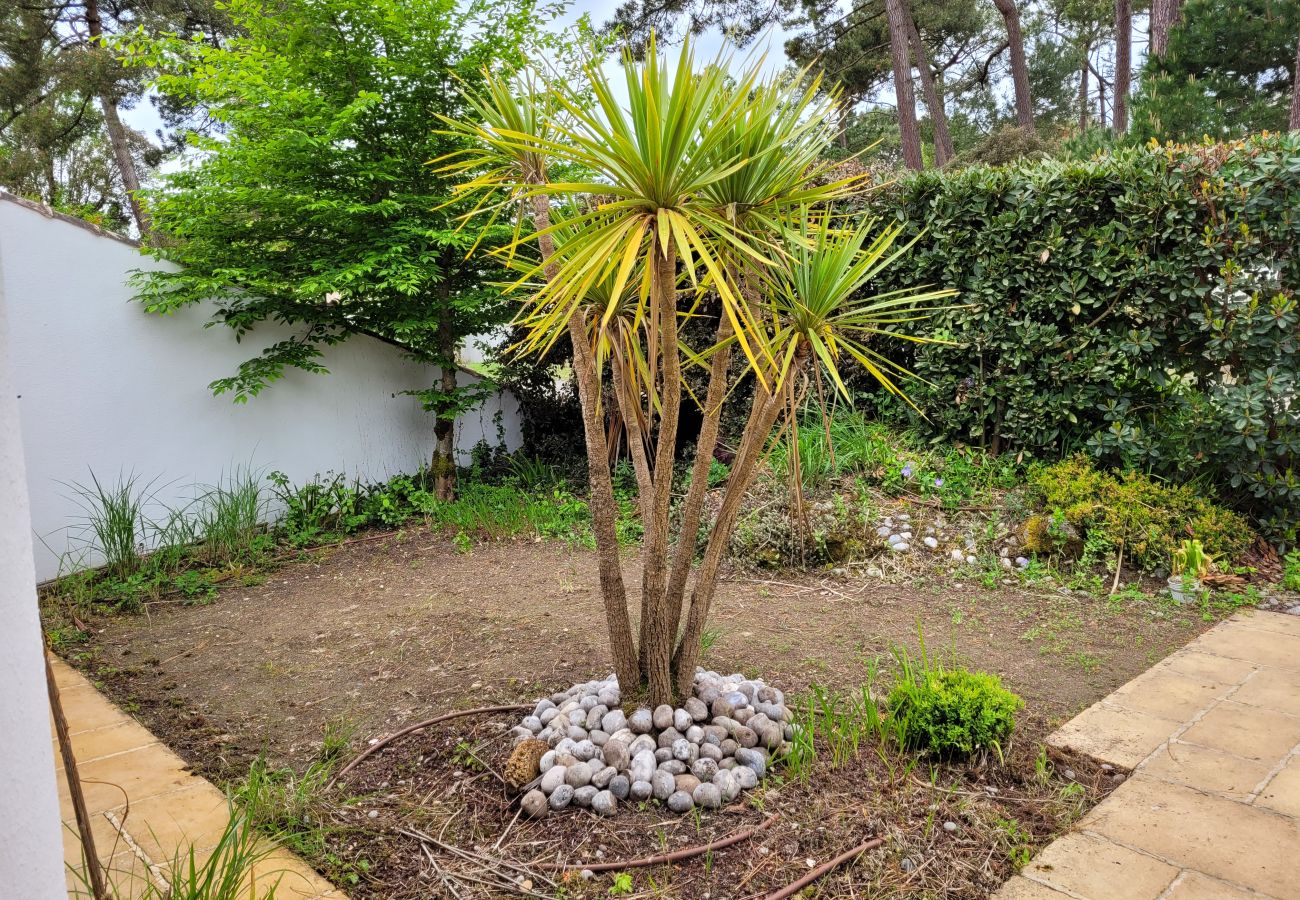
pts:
[1106, 300]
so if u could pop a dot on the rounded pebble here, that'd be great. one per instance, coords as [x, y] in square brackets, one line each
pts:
[553, 779]
[681, 802]
[708, 796]
[534, 804]
[561, 797]
[604, 803]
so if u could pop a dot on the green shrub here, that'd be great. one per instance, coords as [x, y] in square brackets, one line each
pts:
[1149, 518]
[950, 712]
[1140, 306]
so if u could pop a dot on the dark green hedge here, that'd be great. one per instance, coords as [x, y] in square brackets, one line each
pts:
[1141, 307]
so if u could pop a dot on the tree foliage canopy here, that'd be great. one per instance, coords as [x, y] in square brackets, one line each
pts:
[314, 204]
[1228, 71]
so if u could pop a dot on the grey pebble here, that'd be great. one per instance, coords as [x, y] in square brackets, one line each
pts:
[681, 802]
[562, 797]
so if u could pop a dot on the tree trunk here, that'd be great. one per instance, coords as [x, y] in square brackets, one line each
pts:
[629, 409]
[1101, 100]
[693, 506]
[763, 413]
[1294, 124]
[443, 464]
[603, 508]
[656, 638]
[1123, 63]
[903, 93]
[1164, 15]
[117, 140]
[1083, 90]
[1019, 66]
[943, 152]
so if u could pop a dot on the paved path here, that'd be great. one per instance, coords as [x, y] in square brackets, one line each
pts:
[170, 808]
[1212, 809]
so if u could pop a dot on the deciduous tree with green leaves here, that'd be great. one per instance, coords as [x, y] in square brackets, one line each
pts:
[702, 180]
[313, 205]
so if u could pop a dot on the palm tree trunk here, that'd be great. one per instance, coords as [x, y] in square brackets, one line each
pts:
[943, 152]
[117, 140]
[603, 508]
[1123, 62]
[656, 638]
[1019, 65]
[693, 506]
[763, 413]
[629, 408]
[903, 94]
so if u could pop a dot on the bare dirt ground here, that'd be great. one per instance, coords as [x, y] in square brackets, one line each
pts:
[384, 632]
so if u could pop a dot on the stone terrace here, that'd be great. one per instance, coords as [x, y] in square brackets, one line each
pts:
[1212, 808]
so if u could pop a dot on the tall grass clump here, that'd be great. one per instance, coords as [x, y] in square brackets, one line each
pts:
[840, 721]
[114, 526]
[229, 517]
[226, 872]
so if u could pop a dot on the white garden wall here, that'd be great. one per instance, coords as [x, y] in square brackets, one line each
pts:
[102, 386]
[31, 839]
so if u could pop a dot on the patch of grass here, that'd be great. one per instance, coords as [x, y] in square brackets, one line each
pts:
[845, 443]
[114, 528]
[841, 720]
[229, 516]
[225, 872]
[1291, 571]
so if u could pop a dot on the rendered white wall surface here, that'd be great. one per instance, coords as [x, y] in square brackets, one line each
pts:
[103, 386]
[31, 842]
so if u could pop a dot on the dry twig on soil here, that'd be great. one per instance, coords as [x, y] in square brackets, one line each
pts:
[675, 856]
[384, 742]
[791, 889]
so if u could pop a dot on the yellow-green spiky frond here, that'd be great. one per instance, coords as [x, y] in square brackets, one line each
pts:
[782, 130]
[499, 163]
[821, 299]
[651, 161]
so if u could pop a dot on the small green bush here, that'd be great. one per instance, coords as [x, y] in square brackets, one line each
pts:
[1149, 518]
[951, 712]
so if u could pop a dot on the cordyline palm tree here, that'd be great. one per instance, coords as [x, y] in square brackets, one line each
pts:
[703, 182]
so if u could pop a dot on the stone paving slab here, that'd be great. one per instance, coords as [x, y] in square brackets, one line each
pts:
[146, 806]
[1211, 810]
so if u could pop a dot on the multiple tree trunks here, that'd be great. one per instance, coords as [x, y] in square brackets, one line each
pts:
[905, 97]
